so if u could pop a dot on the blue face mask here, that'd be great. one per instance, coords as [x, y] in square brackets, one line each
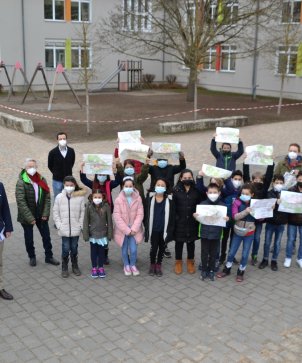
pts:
[160, 190]
[162, 163]
[129, 171]
[102, 178]
[245, 198]
[128, 191]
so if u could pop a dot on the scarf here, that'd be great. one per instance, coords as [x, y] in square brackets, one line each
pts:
[38, 180]
[293, 163]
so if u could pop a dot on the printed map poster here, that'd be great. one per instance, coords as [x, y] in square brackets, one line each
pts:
[98, 164]
[291, 202]
[263, 208]
[129, 137]
[259, 155]
[214, 172]
[166, 150]
[227, 134]
[133, 151]
[212, 215]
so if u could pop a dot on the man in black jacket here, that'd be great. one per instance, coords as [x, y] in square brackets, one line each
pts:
[60, 162]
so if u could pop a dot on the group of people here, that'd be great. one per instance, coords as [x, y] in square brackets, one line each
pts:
[165, 213]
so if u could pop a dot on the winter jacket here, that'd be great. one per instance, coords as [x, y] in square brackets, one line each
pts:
[208, 231]
[28, 209]
[227, 161]
[284, 166]
[261, 189]
[278, 217]
[5, 216]
[169, 217]
[68, 213]
[166, 173]
[60, 166]
[295, 218]
[97, 221]
[186, 227]
[242, 217]
[128, 217]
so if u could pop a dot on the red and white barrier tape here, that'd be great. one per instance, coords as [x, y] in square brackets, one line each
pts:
[65, 120]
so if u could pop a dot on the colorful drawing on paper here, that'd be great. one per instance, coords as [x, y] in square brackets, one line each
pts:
[259, 155]
[227, 134]
[129, 137]
[291, 202]
[133, 151]
[212, 215]
[165, 150]
[263, 208]
[214, 172]
[98, 164]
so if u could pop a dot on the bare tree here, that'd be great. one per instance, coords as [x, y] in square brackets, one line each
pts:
[184, 30]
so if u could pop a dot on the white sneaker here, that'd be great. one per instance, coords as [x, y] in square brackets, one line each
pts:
[299, 262]
[134, 271]
[127, 270]
[287, 262]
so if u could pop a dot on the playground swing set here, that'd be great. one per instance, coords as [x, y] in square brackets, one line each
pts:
[129, 75]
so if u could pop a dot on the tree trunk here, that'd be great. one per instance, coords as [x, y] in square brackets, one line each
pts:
[87, 107]
[281, 95]
[191, 84]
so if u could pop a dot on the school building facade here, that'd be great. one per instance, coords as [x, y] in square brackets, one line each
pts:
[50, 32]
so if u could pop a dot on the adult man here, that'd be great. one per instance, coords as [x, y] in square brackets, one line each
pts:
[6, 228]
[33, 202]
[60, 162]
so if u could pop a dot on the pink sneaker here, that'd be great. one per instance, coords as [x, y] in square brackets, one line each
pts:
[127, 270]
[134, 270]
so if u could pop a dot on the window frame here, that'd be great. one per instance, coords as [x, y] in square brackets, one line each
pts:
[54, 11]
[54, 46]
[80, 2]
[77, 45]
[229, 52]
[291, 4]
[289, 53]
[212, 51]
[131, 17]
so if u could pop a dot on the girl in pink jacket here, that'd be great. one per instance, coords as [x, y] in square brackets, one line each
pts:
[128, 231]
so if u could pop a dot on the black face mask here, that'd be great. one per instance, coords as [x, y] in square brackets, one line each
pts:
[188, 182]
[258, 185]
[299, 184]
[226, 153]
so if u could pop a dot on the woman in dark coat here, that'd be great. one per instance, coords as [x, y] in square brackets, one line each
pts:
[186, 197]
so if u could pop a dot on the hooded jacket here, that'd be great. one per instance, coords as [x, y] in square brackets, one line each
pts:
[68, 213]
[226, 161]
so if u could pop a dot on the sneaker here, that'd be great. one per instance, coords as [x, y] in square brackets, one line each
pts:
[134, 271]
[299, 262]
[167, 253]
[203, 275]
[94, 273]
[274, 266]
[102, 272]
[216, 266]
[254, 260]
[287, 262]
[151, 270]
[158, 270]
[225, 272]
[239, 277]
[212, 275]
[263, 264]
[127, 270]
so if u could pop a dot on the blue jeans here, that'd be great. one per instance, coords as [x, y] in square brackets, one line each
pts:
[70, 244]
[291, 238]
[57, 187]
[236, 242]
[257, 238]
[129, 247]
[270, 229]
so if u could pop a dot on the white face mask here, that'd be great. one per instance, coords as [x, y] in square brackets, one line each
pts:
[62, 143]
[69, 189]
[278, 187]
[236, 183]
[31, 171]
[292, 155]
[213, 197]
[97, 201]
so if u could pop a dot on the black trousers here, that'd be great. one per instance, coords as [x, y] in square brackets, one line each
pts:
[190, 249]
[157, 247]
[97, 255]
[227, 232]
[208, 254]
[29, 238]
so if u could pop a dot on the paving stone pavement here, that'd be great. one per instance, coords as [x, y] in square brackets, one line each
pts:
[144, 319]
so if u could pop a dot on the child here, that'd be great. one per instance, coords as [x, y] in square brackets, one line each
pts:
[244, 229]
[97, 229]
[274, 225]
[159, 224]
[210, 235]
[68, 215]
[294, 225]
[225, 158]
[261, 185]
[128, 216]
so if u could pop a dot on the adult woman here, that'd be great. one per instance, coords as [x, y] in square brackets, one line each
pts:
[186, 197]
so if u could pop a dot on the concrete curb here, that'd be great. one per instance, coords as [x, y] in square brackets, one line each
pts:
[16, 123]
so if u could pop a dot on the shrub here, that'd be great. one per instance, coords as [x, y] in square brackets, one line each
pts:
[148, 78]
[171, 78]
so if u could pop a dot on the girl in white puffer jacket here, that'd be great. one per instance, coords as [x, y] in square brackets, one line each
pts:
[68, 215]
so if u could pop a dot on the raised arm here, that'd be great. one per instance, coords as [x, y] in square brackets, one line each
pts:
[239, 151]
[213, 148]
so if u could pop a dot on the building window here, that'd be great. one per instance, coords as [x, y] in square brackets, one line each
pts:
[54, 9]
[54, 54]
[228, 58]
[80, 57]
[291, 11]
[210, 60]
[231, 12]
[137, 15]
[80, 10]
[287, 60]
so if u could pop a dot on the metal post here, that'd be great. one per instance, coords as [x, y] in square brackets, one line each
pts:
[255, 59]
